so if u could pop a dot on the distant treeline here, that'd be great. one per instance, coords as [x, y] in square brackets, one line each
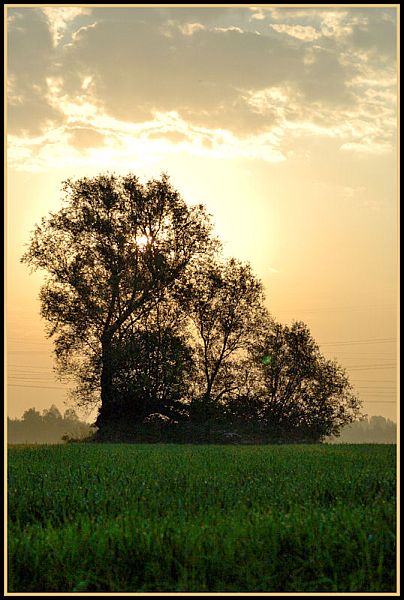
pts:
[51, 427]
[48, 427]
[376, 430]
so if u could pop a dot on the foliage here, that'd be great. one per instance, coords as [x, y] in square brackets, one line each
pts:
[224, 303]
[148, 317]
[109, 252]
[152, 365]
[302, 391]
[141, 518]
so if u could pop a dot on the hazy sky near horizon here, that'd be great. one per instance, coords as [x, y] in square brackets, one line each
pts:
[282, 121]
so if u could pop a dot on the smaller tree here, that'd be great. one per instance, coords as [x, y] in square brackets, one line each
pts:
[51, 414]
[304, 395]
[224, 303]
[32, 416]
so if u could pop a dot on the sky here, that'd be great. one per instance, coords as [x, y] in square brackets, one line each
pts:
[282, 121]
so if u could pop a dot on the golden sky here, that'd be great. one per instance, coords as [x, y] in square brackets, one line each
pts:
[282, 121]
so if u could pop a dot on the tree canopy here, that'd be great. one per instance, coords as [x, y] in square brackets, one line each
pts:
[150, 319]
[224, 303]
[108, 253]
[302, 391]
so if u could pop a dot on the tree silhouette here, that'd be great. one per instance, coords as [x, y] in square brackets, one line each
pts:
[223, 300]
[152, 323]
[153, 364]
[52, 414]
[303, 392]
[32, 416]
[108, 253]
[50, 427]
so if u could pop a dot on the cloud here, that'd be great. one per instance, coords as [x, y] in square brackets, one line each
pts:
[262, 75]
[59, 18]
[124, 144]
[85, 137]
[191, 28]
[258, 14]
[376, 35]
[301, 32]
[206, 72]
[176, 137]
[29, 109]
[226, 29]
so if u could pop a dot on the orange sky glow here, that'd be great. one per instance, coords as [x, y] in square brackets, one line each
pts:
[282, 121]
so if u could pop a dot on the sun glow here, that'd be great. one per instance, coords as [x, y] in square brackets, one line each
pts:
[142, 241]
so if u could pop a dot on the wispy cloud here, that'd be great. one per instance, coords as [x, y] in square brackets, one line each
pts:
[301, 32]
[191, 28]
[59, 18]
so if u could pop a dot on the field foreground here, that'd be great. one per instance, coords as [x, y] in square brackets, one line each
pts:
[182, 518]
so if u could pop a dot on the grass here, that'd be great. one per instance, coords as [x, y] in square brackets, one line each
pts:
[182, 518]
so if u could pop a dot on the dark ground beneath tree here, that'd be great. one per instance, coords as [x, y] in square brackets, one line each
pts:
[190, 433]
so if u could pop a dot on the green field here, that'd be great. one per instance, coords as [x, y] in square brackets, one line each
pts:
[182, 518]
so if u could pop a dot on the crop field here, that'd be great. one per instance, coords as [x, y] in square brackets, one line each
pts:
[183, 518]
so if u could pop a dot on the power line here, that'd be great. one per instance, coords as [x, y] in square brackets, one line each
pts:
[29, 370]
[379, 401]
[385, 364]
[27, 342]
[375, 388]
[29, 380]
[28, 351]
[348, 353]
[30, 367]
[45, 387]
[377, 356]
[352, 342]
[380, 397]
[359, 365]
[371, 367]
[338, 308]
[42, 375]
[376, 381]
[376, 385]
[45, 373]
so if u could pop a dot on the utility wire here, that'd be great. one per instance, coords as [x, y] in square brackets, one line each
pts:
[355, 342]
[42, 387]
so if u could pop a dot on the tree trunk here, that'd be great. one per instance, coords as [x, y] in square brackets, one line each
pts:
[106, 414]
[208, 405]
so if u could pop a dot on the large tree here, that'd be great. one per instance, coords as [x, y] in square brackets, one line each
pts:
[111, 249]
[301, 393]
